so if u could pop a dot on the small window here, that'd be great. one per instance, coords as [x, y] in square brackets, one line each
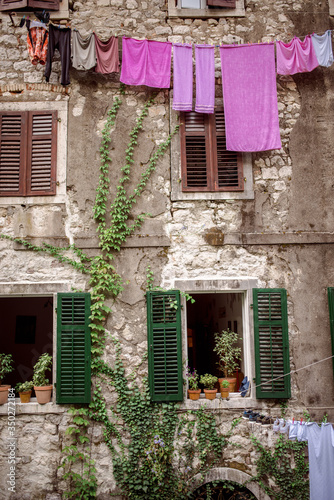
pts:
[206, 164]
[206, 8]
[28, 150]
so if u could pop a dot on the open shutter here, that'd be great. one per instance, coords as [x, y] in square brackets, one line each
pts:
[271, 343]
[229, 172]
[331, 317]
[42, 153]
[164, 345]
[195, 151]
[73, 348]
[13, 134]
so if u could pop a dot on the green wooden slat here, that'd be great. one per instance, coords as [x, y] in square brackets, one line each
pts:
[271, 343]
[164, 346]
[330, 291]
[73, 348]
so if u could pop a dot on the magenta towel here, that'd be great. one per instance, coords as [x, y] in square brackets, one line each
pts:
[182, 77]
[205, 78]
[250, 97]
[107, 60]
[146, 62]
[296, 56]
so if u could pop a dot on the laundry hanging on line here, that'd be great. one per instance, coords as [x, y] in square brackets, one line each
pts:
[182, 77]
[296, 56]
[205, 78]
[322, 45]
[83, 51]
[107, 57]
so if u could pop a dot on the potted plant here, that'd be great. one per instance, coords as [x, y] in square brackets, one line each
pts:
[229, 355]
[6, 362]
[24, 389]
[193, 391]
[224, 388]
[209, 381]
[41, 384]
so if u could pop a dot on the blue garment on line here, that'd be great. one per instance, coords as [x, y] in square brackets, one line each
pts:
[322, 45]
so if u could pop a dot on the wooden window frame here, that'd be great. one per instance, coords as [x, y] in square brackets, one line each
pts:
[210, 133]
[13, 5]
[26, 142]
[221, 11]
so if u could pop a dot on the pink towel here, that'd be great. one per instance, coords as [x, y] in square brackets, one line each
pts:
[250, 97]
[205, 78]
[146, 62]
[296, 56]
[183, 77]
[107, 60]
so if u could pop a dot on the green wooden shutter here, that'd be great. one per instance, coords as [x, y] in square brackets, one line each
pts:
[271, 343]
[73, 348]
[164, 346]
[331, 317]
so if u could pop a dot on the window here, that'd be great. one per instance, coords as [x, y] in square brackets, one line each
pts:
[219, 304]
[30, 331]
[33, 152]
[28, 148]
[206, 8]
[201, 168]
[205, 163]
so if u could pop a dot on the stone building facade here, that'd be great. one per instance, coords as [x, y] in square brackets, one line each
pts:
[275, 234]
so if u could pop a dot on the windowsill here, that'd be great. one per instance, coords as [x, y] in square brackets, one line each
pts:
[32, 408]
[239, 11]
[235, 401]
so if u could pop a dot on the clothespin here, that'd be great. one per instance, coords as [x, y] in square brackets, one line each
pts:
[293, 420]
[301, 421]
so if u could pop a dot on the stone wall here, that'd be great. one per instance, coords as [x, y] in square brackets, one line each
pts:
[283, 237]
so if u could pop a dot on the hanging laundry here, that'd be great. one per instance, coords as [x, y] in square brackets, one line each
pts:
[293, 430]
[146, 62]
[37, 45]
[37, 24]
[322, 45]
[182, 77]
[59, 38]
[107, 55]
[83, 51]
[205, 78]
[321, 460]
[250, 97]
[296, 56]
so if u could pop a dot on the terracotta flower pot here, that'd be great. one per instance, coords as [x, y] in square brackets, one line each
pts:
[25, 396]
[224, 392]
[194, 394]
[210, 393]
[231, 381]
[43, 394]
[4, 394]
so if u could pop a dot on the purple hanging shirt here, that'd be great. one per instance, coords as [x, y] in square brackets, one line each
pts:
[146, 62]
[250, 97]
[296, 56]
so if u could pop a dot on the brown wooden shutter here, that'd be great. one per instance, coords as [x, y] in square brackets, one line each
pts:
[13, 145]
[42, 151]
[195, 152]
[32, 4]
[229, 172]
[230, 4]
[44, 4]
[12, 4]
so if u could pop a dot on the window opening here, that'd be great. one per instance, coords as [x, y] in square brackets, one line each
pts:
[27, 332]
[210, 313]
[224, 490]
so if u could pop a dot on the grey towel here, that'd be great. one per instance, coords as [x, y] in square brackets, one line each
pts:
[83, 51]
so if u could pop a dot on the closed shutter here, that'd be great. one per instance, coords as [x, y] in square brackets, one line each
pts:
[331, 317]
[164, 346]
[271, 343]
[230, 4]
[32, 4]
[42, 150]
[205, 163]
[73, 348]
[13, 137]
[229, 176]
[28, 153]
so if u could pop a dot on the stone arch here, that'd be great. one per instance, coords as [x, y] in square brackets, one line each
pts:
[227, 474]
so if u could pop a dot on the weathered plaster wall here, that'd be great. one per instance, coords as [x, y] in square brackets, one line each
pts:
[258, 238]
